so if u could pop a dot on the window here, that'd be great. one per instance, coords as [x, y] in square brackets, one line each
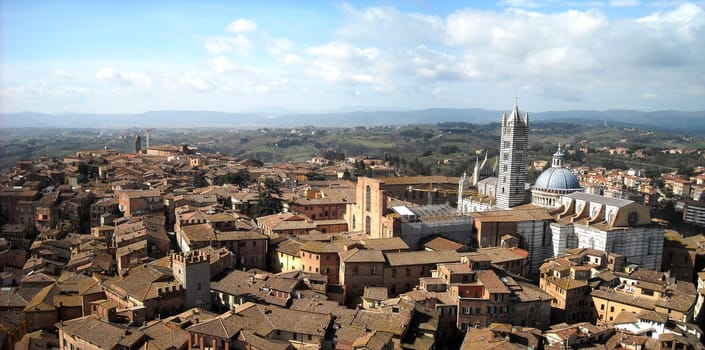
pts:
[408, 272]
[477, 310]
[241, 244]
[611, 309]
[368, 197]
[309, 337]
[467, 310]
[254, 243]
[394, 273]
[355, 270]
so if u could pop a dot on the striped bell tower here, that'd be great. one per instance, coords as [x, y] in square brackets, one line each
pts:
[512, 159]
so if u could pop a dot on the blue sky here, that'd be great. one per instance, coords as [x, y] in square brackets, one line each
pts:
[313, 56]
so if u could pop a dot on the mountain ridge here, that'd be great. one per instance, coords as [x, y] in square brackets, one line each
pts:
[683, 121]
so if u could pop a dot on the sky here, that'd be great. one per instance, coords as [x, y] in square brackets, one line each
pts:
[326, 56]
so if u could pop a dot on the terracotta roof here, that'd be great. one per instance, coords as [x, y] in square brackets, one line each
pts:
[512, 215]
[289, 247]
[104, 334]
[373, 340]
[9, 299]
[422, 257]
[624, 298]
[263, 320]
[198, 233]
[250, 337]
[500, 255]
[491, 281]
[566, 283]
[375, 293]
[319, 247]
[142, 282]
[356, 255]
[440, 243]
[239, 235]
[417, 180]
[385, 244]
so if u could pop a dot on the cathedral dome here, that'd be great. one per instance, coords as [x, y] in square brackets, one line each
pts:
[557, 178]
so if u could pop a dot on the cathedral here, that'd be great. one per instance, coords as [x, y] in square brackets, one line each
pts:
[504, 186]
[572, 219]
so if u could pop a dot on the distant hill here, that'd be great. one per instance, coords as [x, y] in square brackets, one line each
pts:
[687, 122]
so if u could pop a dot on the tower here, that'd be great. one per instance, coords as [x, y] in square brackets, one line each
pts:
[514, 141]
[193, 270]
[138, 144]
[461, 186]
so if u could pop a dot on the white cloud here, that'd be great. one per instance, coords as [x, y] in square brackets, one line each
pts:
[197, 83]
[293, 59]
[41, 92]
[221, 64]
[280, 47]
[222, 44]
[62, 74]
[241, 25]
[110, 74]
[529, 4]
[624, 3]
[389, 26]
[585, 58]
[687, 21]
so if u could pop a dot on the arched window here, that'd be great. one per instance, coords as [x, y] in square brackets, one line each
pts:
[353, 222]
[368, 197]
[368, 225]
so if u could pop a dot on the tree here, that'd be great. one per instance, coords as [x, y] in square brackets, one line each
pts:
[240, 178]
[268, 202]
[314, 176]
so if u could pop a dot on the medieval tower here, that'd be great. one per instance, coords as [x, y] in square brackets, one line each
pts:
[511, 187]
[193, 270]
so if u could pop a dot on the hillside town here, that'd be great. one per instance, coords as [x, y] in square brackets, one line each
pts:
[169, 248]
